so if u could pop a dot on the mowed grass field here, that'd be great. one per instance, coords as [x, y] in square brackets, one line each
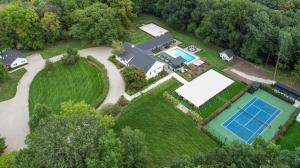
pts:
[291, 139]
[8, 88]
[80, 82]
[169, 132]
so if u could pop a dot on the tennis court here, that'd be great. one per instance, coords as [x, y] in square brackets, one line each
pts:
[251, 120]
[259, 114]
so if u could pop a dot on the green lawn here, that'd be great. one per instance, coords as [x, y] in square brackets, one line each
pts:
[61, 48]
[8, 89]
[291, 139]
[216, 102]
[137, 36]
[169, 132]
[80, 82]
[210, 52]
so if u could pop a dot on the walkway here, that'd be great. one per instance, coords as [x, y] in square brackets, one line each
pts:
[252, 78]
[14, 113]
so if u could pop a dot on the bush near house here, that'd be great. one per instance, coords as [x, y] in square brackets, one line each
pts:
[2, 145]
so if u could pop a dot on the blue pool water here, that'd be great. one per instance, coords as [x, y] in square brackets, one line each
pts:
[251, 120]
[179, 52]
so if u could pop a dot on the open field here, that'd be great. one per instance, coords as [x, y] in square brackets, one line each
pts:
[60, 48]
[169, 132]
[8, 89]
[80, 82]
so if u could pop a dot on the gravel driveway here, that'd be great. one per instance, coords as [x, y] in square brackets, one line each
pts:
[14, 113]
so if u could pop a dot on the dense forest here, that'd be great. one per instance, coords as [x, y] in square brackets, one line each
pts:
[32, 24]
[262, 31]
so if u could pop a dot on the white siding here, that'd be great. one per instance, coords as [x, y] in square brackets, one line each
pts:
[18, 62]
[155, 70]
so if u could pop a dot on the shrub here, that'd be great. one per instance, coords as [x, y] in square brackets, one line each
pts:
[196, 117]
[170, 98]
[118, 64]
[6, 160]
[277, 94]
[3, 72]
[117, 47]
[110, 109]
[122, 102]
[135, 78]
[40, 111]
[71, 57]
[2, 145]
[49, 66]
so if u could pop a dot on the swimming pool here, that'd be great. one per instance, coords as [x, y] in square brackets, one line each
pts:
[176, 52]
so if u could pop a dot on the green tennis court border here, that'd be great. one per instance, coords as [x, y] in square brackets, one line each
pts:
[216, 128]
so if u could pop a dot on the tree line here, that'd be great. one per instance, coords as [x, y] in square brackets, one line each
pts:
[262, 31]
[33, 24]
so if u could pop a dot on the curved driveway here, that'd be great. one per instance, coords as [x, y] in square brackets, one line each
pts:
[14, 114]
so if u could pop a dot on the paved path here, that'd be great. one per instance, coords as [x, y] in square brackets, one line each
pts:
[171, 75]
[14, 113]
[252, 78]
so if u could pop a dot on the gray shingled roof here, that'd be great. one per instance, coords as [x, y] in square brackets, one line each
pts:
[10, 55]
[178, 61]
[138, 57]
[158, 41]
[229, 53]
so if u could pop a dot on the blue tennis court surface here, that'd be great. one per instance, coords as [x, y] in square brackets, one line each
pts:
[252, 119]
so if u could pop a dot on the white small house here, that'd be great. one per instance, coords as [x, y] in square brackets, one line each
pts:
[13, 58]
[227, 55]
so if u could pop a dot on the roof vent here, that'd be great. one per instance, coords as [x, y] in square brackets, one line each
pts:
[132, 46]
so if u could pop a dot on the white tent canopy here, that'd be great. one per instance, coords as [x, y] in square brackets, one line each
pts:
[153, 30]
[203, 88]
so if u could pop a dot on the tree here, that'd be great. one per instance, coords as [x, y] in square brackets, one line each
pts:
[25, 25]
[71, 107]
[117, 47]
[6, 160]
[296, 71]
[135, 78]
[97, 23]
[49, 65]
[2, 145]
[135, 150]
[40, 112]
[51, 26]
[124, 10]
[71, 57]
[75, 140]
[110, 109]
[3, 72]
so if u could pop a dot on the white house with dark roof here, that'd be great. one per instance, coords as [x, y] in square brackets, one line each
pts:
[13, 58]
[142, 55]
[227, 55]
[141, 58]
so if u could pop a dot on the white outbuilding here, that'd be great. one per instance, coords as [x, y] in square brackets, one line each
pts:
[227, 55]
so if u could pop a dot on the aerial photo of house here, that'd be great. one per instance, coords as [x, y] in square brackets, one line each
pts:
[150, 84]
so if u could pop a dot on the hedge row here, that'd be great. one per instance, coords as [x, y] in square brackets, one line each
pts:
[286, 126]
[102, 68]
[270, 90]
[224, 107]
[118, 64]
[170, 99]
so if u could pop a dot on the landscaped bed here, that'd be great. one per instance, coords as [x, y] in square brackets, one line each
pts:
[8, 89]
[169, 132]
[80, 82]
